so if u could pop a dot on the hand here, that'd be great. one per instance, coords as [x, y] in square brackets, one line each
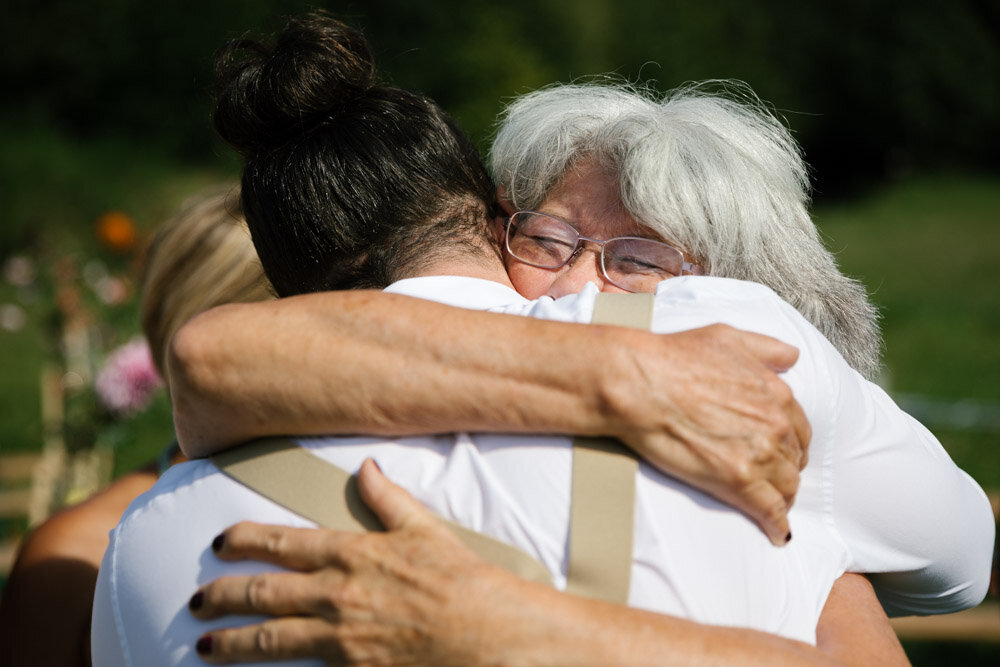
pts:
[721, 419]
[356, 599]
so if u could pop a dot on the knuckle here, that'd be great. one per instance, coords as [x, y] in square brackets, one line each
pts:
[781, 391]
[267, 640]
[740, 471]
[779, 427]
[766, 448]
[354, 554]
[776, 510]
[259, 592]
[274, 542]
[334, 598]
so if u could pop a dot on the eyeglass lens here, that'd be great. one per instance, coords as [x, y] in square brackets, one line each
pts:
[632, 263]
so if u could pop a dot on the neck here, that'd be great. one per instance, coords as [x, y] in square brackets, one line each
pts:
[454, 266]
[483, 261]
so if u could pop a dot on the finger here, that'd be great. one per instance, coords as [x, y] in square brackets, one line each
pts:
[801, 434]
[393, 505]
[771, 352]
[268, 594]
[291, 548]
[278, 639]
[768, 508]
[791, 426]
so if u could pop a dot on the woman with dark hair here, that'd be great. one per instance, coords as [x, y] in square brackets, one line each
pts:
[345, 180]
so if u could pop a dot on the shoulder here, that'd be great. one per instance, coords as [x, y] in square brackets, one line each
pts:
[696, 289]
[694, 301]
[570, 308]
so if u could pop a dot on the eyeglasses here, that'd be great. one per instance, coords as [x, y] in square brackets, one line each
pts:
[632, 263]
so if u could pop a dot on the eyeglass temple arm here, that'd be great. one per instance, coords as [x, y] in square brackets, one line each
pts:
[693, 269]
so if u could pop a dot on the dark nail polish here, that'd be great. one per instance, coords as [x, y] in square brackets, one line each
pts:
[788, 537]
[217, 543]
[198, 599]
[204, 645]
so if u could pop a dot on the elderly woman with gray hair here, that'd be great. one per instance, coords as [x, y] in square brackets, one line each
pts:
[713, 173]
[720, 179]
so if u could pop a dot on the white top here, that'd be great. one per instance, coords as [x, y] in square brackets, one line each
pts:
[879, 494]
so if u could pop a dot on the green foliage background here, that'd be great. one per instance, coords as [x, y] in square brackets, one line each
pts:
[106, 104]
[872, 88]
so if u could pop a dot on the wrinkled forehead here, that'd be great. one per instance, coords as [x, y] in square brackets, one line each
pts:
[589, 198]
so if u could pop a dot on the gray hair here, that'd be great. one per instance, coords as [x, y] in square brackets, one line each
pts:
[706, 166]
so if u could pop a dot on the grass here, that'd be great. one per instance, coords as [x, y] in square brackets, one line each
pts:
[21, 355]
[929, 251]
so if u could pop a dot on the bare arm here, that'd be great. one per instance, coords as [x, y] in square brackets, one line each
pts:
[416, 596]
[705, 406]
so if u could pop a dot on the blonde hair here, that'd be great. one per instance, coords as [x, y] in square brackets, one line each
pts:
[201, 258]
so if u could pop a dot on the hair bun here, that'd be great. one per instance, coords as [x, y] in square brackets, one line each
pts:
[317, 67]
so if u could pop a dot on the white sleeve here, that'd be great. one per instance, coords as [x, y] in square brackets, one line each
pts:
[918, 524]
[907, 514]
[106, 648]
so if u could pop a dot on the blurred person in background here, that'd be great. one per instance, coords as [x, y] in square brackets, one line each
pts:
[201, 258]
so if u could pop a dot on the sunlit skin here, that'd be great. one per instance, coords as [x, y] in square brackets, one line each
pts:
[589, 199]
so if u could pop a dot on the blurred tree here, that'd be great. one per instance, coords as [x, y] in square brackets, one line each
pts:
[872, 89]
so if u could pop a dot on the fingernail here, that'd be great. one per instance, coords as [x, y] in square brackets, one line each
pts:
[377, 466]
[204, 645]
[788, 537]
[198, 599]
[217, 543]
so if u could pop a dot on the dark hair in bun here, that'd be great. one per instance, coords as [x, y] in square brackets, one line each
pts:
[347, 183]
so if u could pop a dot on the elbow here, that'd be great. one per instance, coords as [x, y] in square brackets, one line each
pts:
[957, 572]
[974, 552]
[190, 369]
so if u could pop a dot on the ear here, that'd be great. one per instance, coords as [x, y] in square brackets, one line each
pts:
[499, 231]
[506, 205]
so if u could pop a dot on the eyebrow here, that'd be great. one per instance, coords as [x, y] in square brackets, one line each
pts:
[641, 234]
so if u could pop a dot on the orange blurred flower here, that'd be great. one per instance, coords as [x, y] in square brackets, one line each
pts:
[116, 231]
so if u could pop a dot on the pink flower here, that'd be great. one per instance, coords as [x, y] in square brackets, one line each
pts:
[129, 380]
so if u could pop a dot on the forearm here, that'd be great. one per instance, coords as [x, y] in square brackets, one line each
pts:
[529, 624]
[559, 629]
[383, 364]
[705, 406]
[416, 596]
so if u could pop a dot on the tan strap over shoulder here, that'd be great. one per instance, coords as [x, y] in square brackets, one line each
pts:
[602, 518]
[295, 478]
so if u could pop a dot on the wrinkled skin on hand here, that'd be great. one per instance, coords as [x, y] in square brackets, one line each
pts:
[416, 596]
[347, 605]
[726, 423]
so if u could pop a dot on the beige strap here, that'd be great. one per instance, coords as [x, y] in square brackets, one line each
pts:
[625, 310]
[602, 510]
[295, 478]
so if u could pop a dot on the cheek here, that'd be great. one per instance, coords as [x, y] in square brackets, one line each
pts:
[529, 281]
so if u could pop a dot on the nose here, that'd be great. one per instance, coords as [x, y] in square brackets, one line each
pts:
[582, 269]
